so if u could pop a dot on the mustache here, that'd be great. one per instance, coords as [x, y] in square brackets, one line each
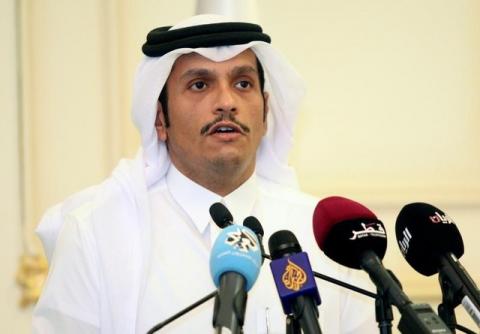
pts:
[223, 117]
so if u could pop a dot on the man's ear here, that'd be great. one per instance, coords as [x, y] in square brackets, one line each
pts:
[160, 123]
[265, 109]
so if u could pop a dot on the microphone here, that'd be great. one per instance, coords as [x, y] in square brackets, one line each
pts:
[431, 243]
[294, 280]
[252, 223]
[235, 263]
[345, 229]
[350, 234]
[220, 215]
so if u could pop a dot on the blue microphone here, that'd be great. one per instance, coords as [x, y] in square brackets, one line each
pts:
[235, 263]
[295, 282]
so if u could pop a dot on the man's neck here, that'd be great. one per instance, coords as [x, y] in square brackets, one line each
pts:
[220, 181]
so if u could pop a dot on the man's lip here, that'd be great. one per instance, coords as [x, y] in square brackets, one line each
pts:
[234, 126]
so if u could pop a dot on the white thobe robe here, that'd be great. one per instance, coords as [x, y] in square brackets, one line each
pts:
[128, 257]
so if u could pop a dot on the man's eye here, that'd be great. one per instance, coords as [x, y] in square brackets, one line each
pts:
[198, 85]
[243, 84]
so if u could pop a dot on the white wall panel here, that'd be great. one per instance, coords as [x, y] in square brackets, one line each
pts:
[12, 319]
[392, 110]
[67, 104]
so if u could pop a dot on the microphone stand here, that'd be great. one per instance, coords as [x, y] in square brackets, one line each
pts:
[383, 307]
[345, 285]
[292, 325]
[446, 308]
[449, 303]
[383, 313]
[182, 312]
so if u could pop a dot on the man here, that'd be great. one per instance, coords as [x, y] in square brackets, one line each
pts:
[215, 107]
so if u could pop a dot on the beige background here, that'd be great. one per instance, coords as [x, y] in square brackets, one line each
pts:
[392, 113]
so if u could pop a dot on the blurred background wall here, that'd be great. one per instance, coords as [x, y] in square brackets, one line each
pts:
[391, 116]
[11, 226]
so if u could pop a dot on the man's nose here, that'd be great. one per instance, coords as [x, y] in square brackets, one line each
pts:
[225, 99]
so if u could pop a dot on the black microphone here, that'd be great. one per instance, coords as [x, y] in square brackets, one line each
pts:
[431, 243]
[351, 235]
[254, 224]
[220, 215]
[294, 280]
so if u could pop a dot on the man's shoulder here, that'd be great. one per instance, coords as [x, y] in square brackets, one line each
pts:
[123, 183]
[116, 193]
[76, 209]
[81, 203]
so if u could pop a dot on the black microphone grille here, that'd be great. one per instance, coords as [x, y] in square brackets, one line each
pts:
[425, 233]
[283, 243]
[349, 239]
[220, 215]
[252, 223]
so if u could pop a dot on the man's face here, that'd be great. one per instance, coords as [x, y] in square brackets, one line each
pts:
[216, 113]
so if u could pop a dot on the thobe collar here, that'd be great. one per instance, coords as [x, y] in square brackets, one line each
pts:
[196, 200]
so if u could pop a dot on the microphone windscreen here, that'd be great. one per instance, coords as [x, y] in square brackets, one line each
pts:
[220, 215]
[252, 223]
[345, 229]
[282, 243]
[424, 233]
[236, 249]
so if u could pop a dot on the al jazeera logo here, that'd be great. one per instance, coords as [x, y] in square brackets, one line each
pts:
[294, 276]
